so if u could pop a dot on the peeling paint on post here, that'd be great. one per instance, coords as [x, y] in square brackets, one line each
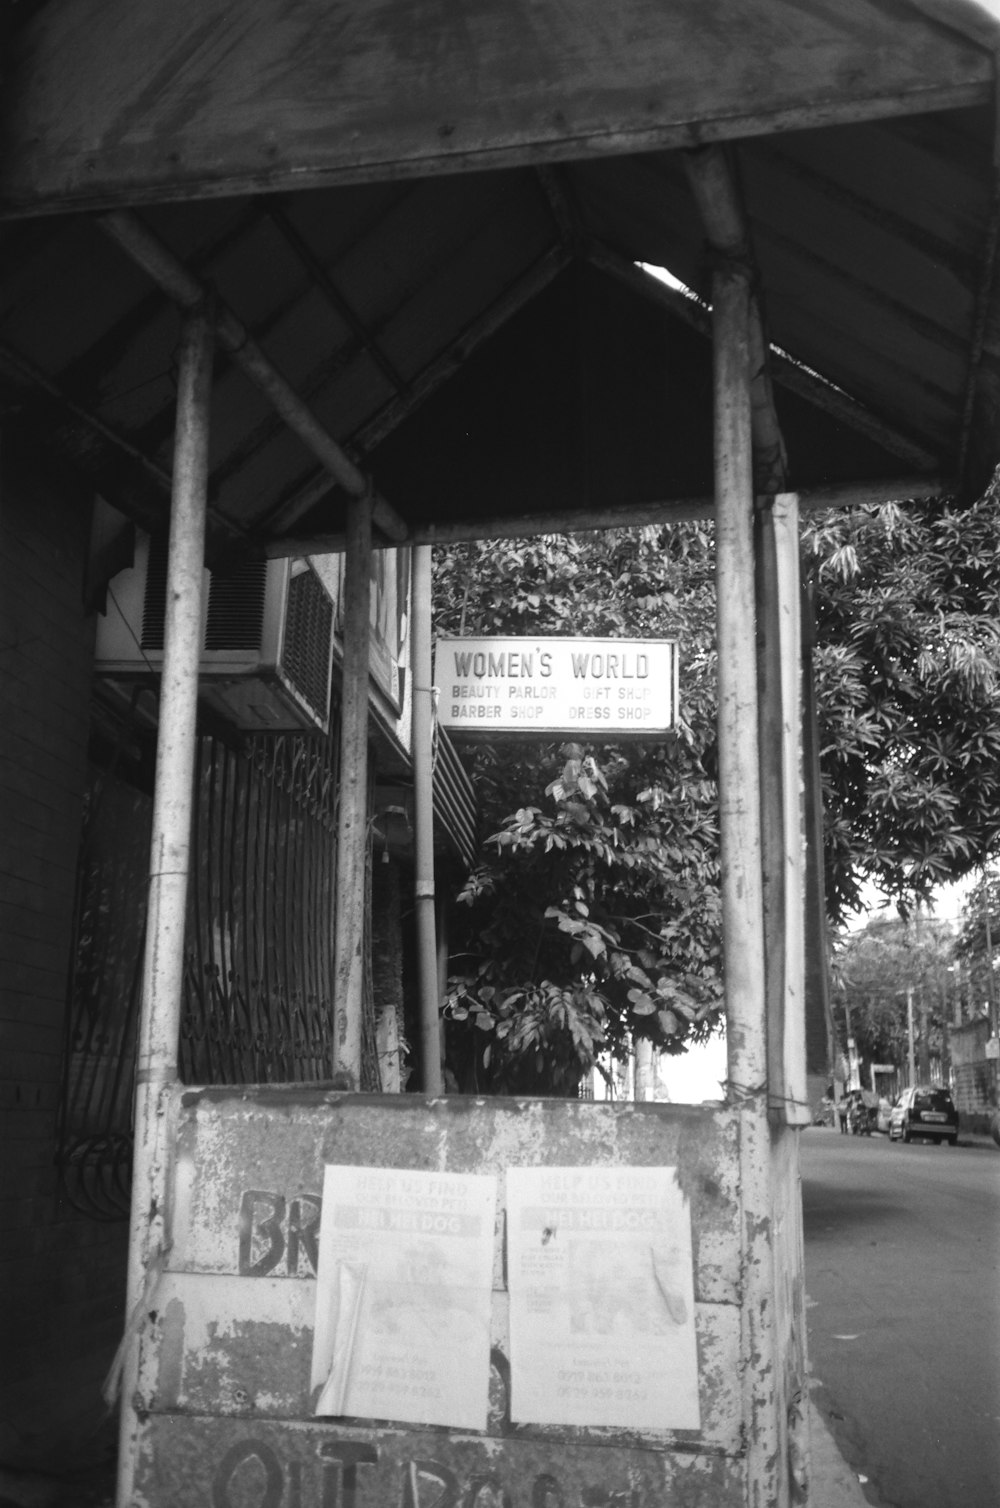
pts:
[159, 1021]
[742, 866]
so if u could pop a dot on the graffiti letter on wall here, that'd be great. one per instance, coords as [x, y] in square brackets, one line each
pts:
[269, 1230]
[416, 1495]
[340, 1471]
[303, 1230]
[233, 1464]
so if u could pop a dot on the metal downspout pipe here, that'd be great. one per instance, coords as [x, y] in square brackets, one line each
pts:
[423, 782]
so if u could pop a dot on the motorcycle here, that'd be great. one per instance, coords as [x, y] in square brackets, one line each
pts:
[862, 1112]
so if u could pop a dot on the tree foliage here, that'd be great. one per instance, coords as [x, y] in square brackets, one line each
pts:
[977, 947]
[595, 912]
[874, 969]
[907, 668]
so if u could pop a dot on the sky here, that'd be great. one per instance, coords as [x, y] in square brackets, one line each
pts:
[695, 1075]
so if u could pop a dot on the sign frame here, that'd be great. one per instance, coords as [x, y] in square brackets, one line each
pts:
[555, 686]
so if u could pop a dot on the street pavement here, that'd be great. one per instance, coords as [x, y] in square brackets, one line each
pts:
[903, 1281]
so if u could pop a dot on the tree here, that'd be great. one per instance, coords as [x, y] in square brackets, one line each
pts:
[976, 947]
[594, 915]
[875, 968]
[908, 688]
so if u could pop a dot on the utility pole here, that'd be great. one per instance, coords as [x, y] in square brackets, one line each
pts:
[910, 1053]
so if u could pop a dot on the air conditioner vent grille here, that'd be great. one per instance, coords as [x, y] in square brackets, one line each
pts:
[154, 604]
[308, 637]
[236, 608]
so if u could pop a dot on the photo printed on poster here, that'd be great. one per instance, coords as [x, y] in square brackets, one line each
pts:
[602, 1322]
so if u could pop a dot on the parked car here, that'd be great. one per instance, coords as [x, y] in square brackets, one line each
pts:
[924, 1110]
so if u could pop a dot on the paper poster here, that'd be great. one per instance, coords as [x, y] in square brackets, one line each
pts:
[403, 1294]
[602, 1324]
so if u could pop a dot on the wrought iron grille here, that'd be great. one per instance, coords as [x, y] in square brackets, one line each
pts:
[259, 983]
[258, 986]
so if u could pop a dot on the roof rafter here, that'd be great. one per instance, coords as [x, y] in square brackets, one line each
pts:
[531, 282]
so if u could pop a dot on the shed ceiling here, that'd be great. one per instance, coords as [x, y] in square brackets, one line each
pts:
[464, 314]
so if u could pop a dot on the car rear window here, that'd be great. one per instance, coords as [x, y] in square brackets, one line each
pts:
[933, 1099]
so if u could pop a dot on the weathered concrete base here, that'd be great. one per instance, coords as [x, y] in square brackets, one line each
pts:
[223, 1401]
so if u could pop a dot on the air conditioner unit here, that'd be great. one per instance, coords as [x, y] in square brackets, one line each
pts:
[267, 637]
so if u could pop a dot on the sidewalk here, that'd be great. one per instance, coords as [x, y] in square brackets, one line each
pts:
[832, 1483]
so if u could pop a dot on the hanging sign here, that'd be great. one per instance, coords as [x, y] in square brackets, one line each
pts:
[590, 688]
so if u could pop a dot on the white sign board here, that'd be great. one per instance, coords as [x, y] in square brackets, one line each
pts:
[602, 1320]
[590, 688]
[403, 1294]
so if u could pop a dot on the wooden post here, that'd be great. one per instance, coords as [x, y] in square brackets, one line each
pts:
[163, 969]
[423, 797]
[352, 812]
[779, 668]
[742, 890]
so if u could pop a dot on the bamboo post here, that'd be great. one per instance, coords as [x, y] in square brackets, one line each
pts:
[163, 969]
[423, 796]
[779, 665]
[742, 892]
[352, 812]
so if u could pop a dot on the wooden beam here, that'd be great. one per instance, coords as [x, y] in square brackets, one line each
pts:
[563, 206]
[779, 664]
[741, 860]
[169, 859]
[132, 101]
[722, 214]
[352, 806]
[623, 516]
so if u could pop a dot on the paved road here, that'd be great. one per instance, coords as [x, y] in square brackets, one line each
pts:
[903, 1283]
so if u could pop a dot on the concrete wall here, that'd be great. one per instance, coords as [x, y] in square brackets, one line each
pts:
[224, 1380]
[61, 1275]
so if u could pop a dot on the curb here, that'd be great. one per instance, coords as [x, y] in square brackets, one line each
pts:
[832, 1483]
